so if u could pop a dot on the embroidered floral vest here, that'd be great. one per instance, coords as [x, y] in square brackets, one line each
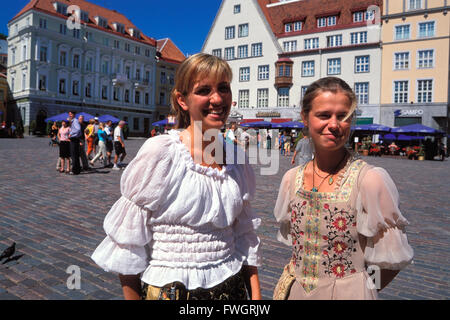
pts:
[323, 229]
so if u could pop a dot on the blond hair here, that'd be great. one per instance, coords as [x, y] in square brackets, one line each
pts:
[194, 68]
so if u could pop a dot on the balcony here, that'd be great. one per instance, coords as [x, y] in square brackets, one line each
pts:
[283, 76]
[119, 79]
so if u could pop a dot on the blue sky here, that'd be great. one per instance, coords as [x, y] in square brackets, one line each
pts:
[187, 25]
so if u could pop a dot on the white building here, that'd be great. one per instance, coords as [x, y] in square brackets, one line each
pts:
[277, 48]
[106, 65]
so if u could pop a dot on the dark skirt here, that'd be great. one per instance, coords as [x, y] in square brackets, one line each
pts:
[64, 149]
[232, 288]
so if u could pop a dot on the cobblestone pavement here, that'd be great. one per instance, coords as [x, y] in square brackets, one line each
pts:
[56, 221]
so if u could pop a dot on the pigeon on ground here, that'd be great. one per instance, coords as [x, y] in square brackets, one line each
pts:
[8, 252]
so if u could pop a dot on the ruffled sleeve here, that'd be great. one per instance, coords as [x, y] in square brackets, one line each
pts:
[142, 185]
[281, 211]
[380, 220]
[247, 222]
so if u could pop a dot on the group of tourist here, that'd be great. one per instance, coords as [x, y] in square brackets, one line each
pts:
[185, 227]
[100, 138]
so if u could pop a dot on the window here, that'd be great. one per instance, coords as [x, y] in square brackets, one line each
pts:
[362, 64]
[162, 98]
[104, 92]
[43, 23]
[401, 60]
[127, 47]
[13, 56]
[262, 98]
[289, 46]
[120, 28]
[287, 27]
[63, 28]
[414, 4]
[102, 22]
[116, 94]
[135, 123]
[147, 101]
[287, 71]
[402, 32]
[334, 41]
[126, 95]
[147, 52]
[358, 16]
[89, 63]
[137, 50]
[425, 58]
[297, 26]
[76, 33]
[106, 42]
[229, 53]
[307, 68]
[426, 29]
[88, 89]
[43, 54]
[24, 52]
[424, 91]
[243, 30]
[334, 66]
[257, 49]
[281, 70]
[75, 87]
[42, 83]
[162, 78]
[229, 32]
[137, 97]
[62, 58]
[283, 97]
[243, 98]
[147, 76]
[128, 72]
[237, 9]
[84, 16]
[88, 36]
[243, 51]
[362, 92]
[62, 86]
[312, 43]
[116, 44]
[358, 37]
[138, 74]
[263, 72]
[217, 53]
[326, 21]
[244, 74]
[76, 61]
[401, 91]
[24, 81]
[105, 67]
[61, 8]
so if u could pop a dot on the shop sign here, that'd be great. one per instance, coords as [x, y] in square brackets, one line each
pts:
[408, 113]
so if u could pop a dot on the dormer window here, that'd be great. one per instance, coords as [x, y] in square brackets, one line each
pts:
[84, 16]
[360, 16]
[101, 22]
[326, 21]
[293, 26]
[119, 27]
[60, 8]
[135, 33]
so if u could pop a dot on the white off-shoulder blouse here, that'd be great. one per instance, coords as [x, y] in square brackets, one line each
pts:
[180, 221]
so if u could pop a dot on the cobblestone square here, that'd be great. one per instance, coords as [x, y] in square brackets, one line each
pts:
[56, 221]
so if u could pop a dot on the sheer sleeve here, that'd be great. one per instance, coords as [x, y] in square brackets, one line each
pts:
[142, 185]
[282, 211]
[247, 222]
[380, 220]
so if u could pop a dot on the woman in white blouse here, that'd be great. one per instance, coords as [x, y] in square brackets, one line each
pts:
[339, 214]
[184, 224]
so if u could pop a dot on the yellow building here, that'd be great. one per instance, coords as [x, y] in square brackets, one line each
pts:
[415, 63]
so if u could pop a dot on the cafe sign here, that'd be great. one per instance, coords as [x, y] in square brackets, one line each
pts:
[408, 113]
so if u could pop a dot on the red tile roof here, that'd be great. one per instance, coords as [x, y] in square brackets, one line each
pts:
[93, 10]
[308, 10]
[169, 51]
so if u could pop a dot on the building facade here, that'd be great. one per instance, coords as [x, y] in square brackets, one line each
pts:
[169, 58]
[105, 65]
[415, 63]
[277, 48]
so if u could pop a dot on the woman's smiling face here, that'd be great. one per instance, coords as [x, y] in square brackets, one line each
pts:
[209, 102]
[328, 127]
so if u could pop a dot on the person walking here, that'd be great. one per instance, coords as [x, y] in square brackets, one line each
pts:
[53, 135]
[269, 140]
[89, 137]
[101, 145]
[75, 134]
[95, 143]
[287, 145]
[109, 141]
[83, 156]
[64, 147]
[281, 143]
[339, 214]
[304, 149]
[184, 224]
[119, 146]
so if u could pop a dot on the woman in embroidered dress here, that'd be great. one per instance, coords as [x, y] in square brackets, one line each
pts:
[184, 224]
[340, 214]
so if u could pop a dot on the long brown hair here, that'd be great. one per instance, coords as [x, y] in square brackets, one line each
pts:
[198, 66]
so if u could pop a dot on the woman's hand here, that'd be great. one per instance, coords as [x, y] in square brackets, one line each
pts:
[252, 282]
